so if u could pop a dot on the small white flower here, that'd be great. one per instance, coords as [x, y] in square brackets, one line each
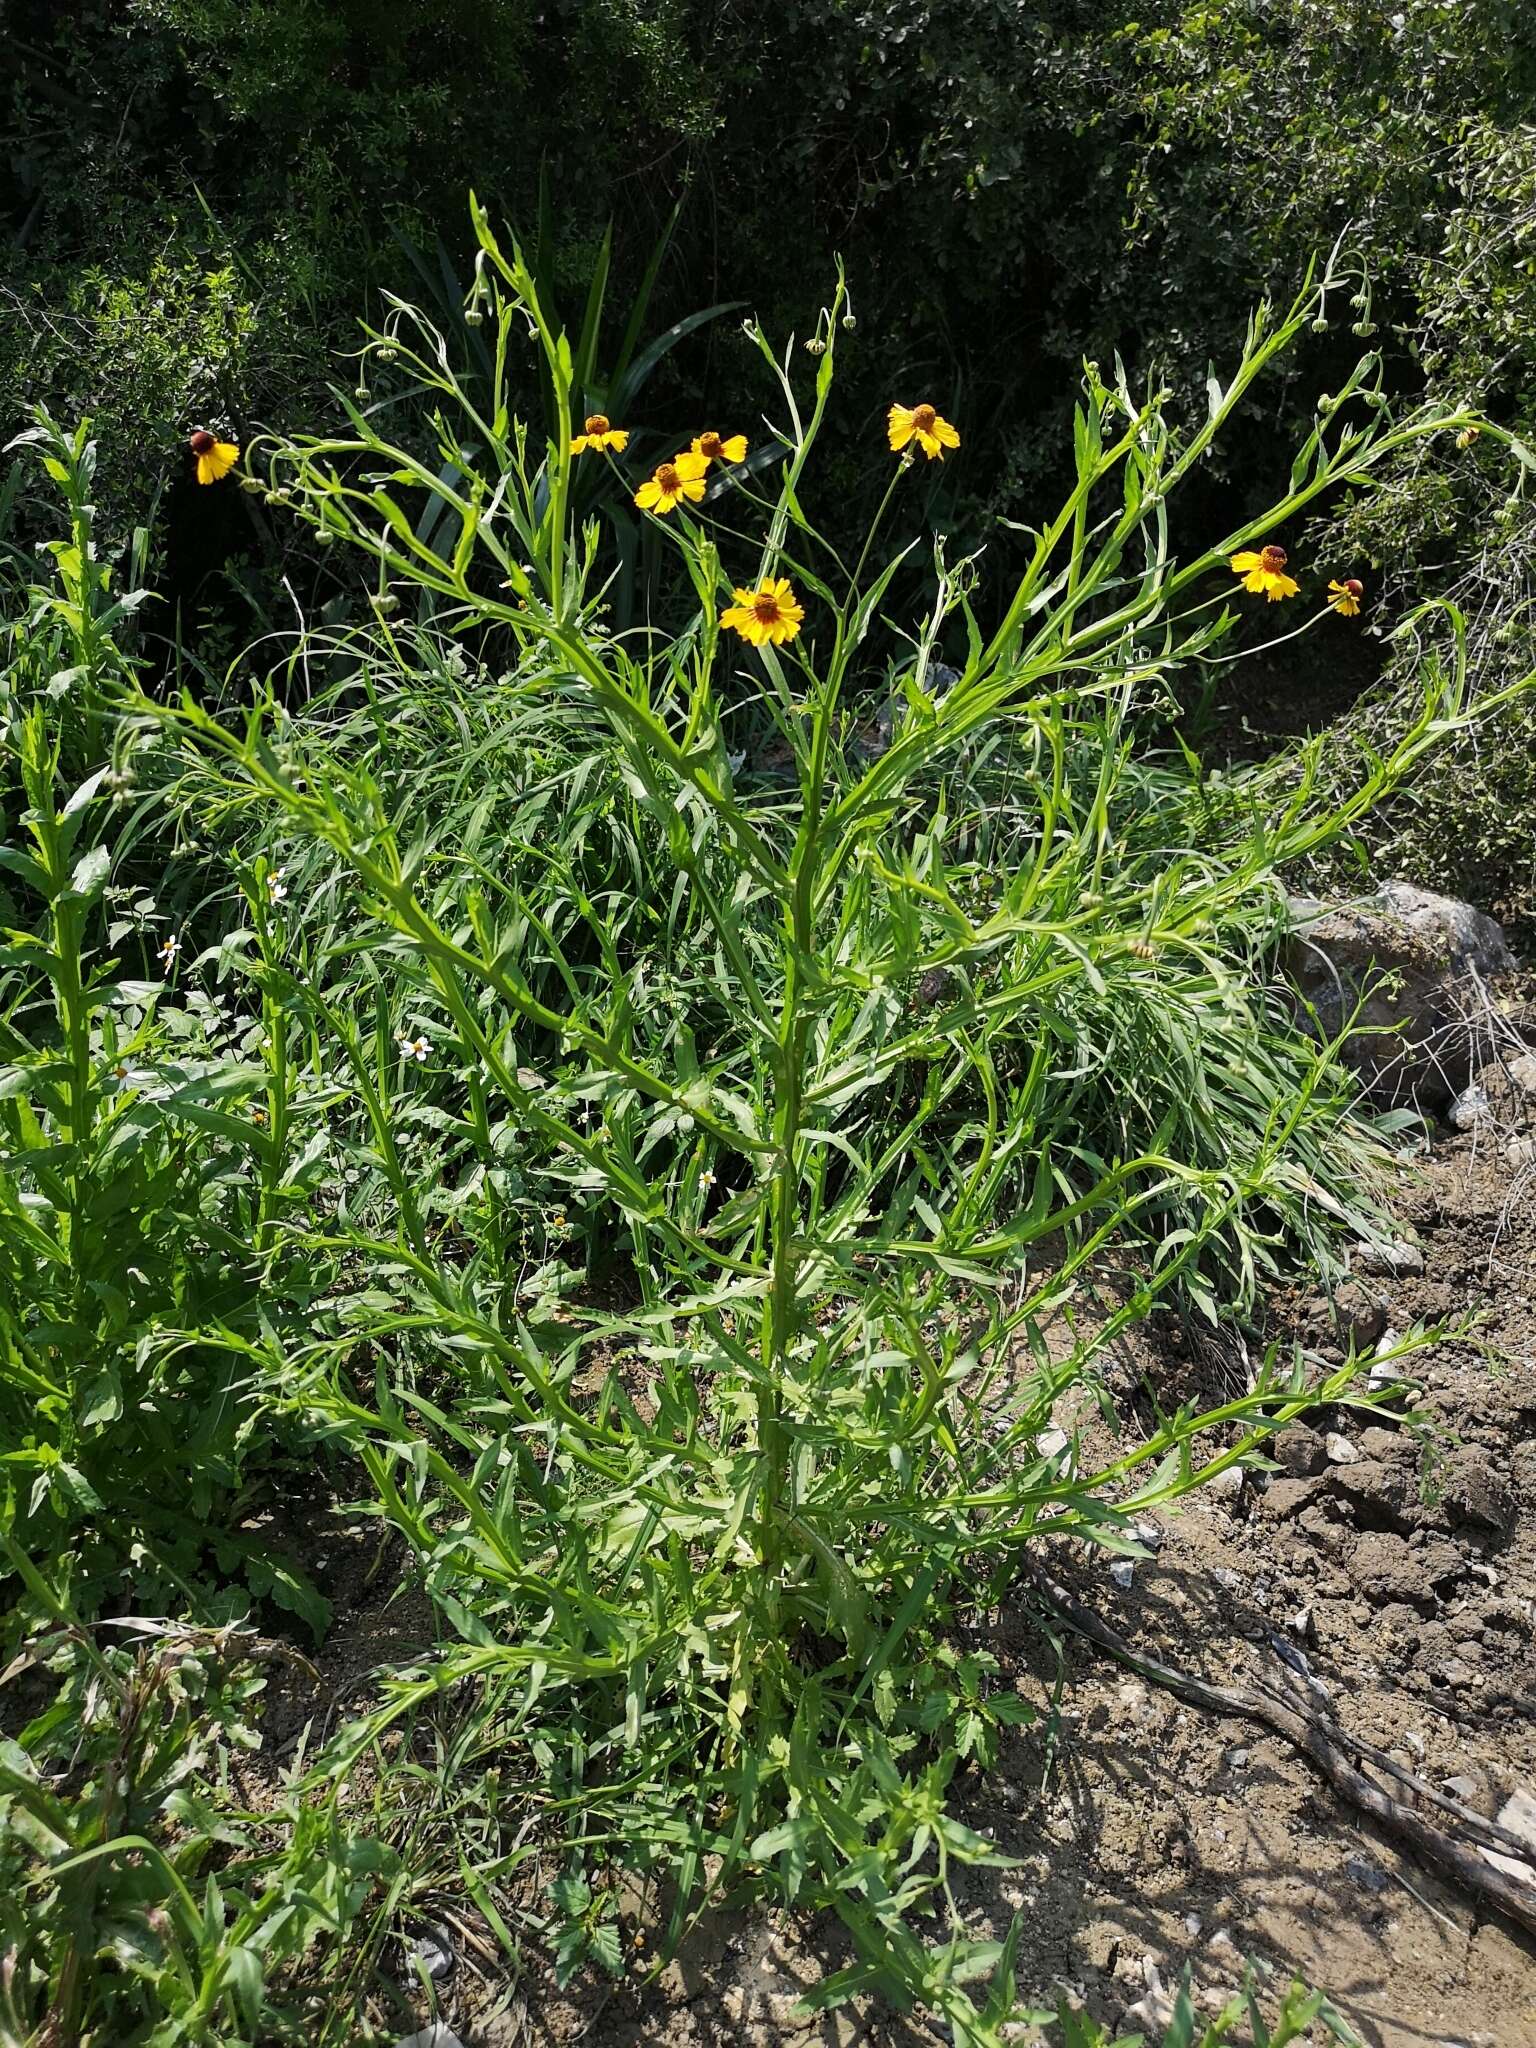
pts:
[168, 952]
[277, 888]
[412, 1048]
[706, 1179]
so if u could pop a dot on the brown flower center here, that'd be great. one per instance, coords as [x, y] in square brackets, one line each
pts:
[923, 417]
[597, 423]
[202, 442]
[669, 479]
[1272, 560]
[712, 446]
[765, 609]
[1354, 586]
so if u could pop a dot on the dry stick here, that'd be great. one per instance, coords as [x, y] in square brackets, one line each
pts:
[1328, 1746]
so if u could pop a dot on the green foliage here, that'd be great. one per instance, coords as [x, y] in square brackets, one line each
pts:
[1002, 184]
[138, 1903]
[633, 1106]
[137, 1186]
[683, 1139]
[1300, 2012]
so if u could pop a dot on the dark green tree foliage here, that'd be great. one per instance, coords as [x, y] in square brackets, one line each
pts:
[205, 196]
[203, 189]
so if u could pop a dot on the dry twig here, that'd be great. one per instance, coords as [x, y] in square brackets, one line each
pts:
[1462, 1855]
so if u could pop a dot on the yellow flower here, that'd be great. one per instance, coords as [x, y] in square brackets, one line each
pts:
[1345, 597]
[669, 484]
[215, 458]
[922, 424]
[599, 434]
[1264, 573]
[713, 449]
[771, 612]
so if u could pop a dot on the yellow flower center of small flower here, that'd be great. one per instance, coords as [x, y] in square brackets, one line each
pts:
[765, 609]
[202, 442]
[923, 417]
[1272, 560]
[597, 423]
[712, 446]
[668, 479]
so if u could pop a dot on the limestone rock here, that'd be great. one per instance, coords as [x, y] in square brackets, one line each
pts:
[1416, 959]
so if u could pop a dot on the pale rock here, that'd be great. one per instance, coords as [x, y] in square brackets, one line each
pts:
[1403, 969]
[1388, 1261]
[1469, 1108]
[1155, 2010]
